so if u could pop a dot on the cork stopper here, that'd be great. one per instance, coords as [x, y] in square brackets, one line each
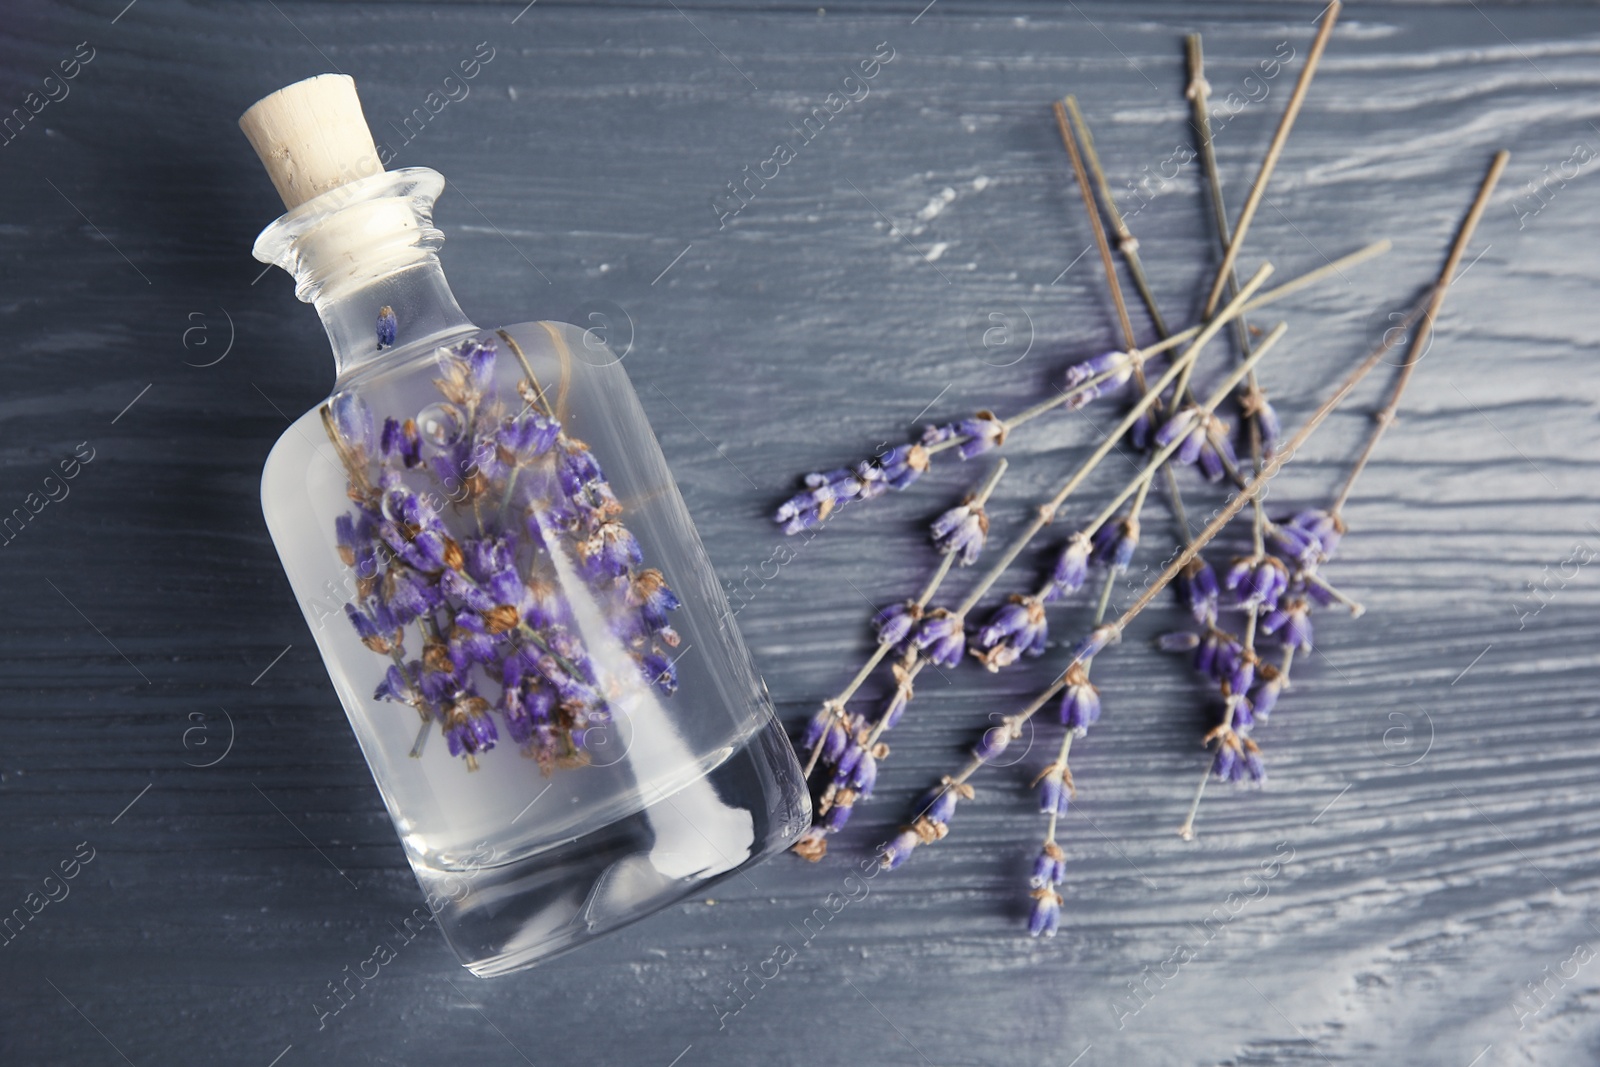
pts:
[312, 137]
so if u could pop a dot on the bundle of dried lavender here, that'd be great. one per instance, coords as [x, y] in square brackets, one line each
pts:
[1272, 586]
[494, 638]
[931, 821]
[1279, 584]
[938, 635]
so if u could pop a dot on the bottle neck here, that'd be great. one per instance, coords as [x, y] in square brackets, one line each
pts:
[425, 311]
[365, 247]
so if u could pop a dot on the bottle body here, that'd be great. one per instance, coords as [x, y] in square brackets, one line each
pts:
[528, 639]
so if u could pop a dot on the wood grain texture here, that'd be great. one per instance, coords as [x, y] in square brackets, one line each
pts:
[1434, 769]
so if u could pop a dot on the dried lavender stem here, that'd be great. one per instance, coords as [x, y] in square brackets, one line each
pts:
[1127, 244]
[1047, 511]
[979, 497]
[1269, 162]
[1097, 228]
[1288, 288]
[1425, 329]
[1200, 118]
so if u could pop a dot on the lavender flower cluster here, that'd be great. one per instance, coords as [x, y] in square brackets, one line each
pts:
[1280, 586]
[497, 649]
[846, 744]
[984, 431]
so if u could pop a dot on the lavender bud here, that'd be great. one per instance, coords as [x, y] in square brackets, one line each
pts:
[942, 638]
[896, 622]
[1115, 543]
[386, 327]
[1046, 914]
[996, 740]
[1178, 641]
[1072, 569]
[1197, 587]
[1293, 617]
[1271, 684]
[963, 531]
[1050, 867]
[1177, 426]
[1055, 790]
[1080, 701]
[899, 849]
[984, 431]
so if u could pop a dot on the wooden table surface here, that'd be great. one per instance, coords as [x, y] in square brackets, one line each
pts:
[1434, 780]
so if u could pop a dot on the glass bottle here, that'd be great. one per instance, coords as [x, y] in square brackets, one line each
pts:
[502, 578]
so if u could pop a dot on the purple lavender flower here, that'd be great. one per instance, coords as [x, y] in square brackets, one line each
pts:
[1178, 641]
[353, 418]
[660, 671]
[962, 530]
[1257, 582]
[1116, 542]
[825, 491]
[400, 443]
[487, 602]
[1241, 672]
[865, 775]
[1046, 914]
[817, 727]
[1293, 617]
[1255, 405]
[1197, 587]
[983, 431]
[938, 806]
[1018, 627]
[396, 686]
[1071, 569]
[838, 812]
[525, 436]
[611, 551]
[1080, 701]
[1268, 689]
[1238, 758]
[902, 465]
[375, 627]
[1202, 437]
[1139, 432]
[469, 729]
[1119, 365]
[822, 495]
[996, 740]
[1095, 366]
[1049, 867]
[899, 849]
[1055, 790]
[386, 327]
[937, 435]
[941, 637]
[1218, 656]
[1309, 536]
[895, 622]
